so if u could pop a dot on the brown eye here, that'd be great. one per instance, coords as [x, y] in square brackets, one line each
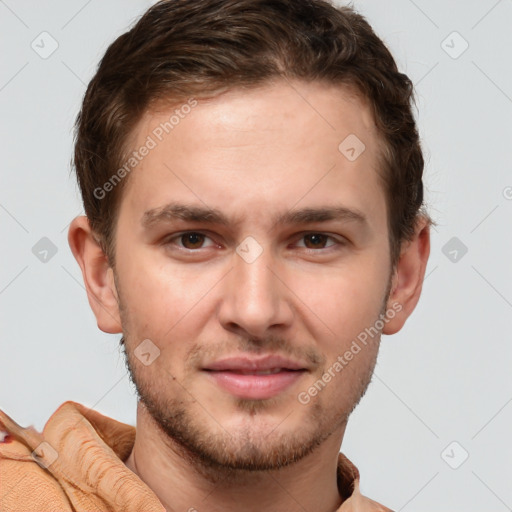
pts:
[192, 240]
[315, 241]
[189, 242]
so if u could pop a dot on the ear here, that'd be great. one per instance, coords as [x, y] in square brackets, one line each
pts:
[97, 274]
[408, 276]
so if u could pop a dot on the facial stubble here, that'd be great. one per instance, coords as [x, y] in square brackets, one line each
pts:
[216, 453]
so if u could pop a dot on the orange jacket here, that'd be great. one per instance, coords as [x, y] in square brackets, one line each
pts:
[77, 464]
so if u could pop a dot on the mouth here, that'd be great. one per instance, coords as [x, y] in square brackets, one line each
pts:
[270, 371]
[255, 378]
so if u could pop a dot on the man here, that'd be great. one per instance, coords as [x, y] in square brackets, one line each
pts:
[252, 179]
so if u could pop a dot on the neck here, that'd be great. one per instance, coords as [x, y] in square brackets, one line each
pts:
[180, 483]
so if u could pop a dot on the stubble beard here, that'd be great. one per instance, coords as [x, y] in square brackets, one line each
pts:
[217, 454]
[220, 454]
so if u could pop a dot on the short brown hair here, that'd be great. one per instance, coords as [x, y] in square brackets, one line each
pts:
[199, 48]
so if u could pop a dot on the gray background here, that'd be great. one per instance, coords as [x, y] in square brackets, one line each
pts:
[445, 378]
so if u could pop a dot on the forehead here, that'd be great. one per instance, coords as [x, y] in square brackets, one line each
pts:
[298, 110]
[277, 145]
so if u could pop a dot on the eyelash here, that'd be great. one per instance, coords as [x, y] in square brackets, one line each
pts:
[336, 245]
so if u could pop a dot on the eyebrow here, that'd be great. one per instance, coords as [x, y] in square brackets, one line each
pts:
[191, 213]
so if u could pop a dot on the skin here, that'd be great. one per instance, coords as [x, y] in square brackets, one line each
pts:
[251, 155]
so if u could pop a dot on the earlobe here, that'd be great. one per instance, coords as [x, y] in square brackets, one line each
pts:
[408, 277]
[97, 275]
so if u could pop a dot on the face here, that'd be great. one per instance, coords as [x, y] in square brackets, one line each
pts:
[252, 252]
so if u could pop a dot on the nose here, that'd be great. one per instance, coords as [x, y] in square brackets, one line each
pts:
[255, 298]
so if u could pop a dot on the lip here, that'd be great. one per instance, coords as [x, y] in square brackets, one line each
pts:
[261, 363]
[238, 375]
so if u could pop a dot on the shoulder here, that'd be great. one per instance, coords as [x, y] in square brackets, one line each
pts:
[26, 486]
[348, 485]
[359, 503]
[64, 467]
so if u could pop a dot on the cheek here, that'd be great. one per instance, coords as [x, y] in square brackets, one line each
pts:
[149, 295]
[162, 301]
[346, 300]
